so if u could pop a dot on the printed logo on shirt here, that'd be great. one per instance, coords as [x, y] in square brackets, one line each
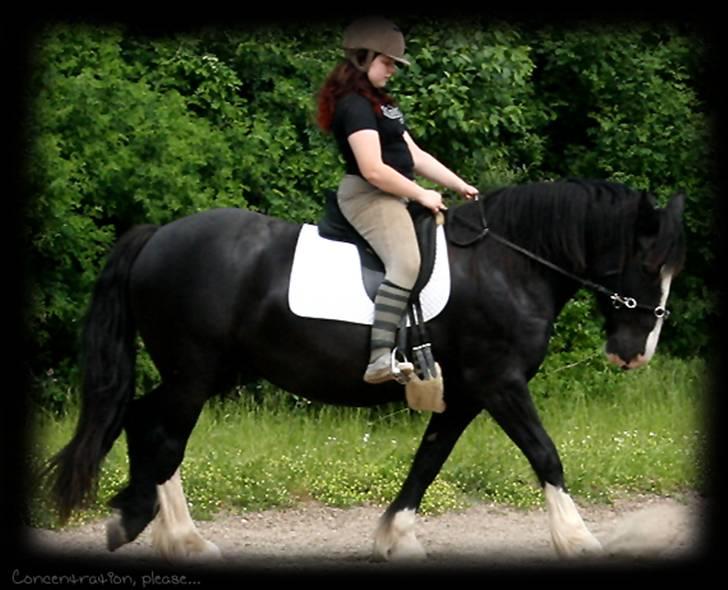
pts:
[392, 112]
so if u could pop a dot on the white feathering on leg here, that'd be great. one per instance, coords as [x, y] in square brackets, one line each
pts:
[569, 533]
[395, 538]
[174, 534]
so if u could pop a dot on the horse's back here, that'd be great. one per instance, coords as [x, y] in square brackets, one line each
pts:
[196, 272]
[211, 241]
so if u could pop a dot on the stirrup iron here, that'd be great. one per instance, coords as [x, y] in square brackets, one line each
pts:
[401, 370]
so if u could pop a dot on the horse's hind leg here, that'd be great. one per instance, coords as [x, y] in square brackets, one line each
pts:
[395, 538]
[158, 426]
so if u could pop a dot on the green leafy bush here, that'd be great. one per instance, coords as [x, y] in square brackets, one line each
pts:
[127, 129]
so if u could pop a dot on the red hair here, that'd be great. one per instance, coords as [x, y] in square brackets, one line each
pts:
[345, 79]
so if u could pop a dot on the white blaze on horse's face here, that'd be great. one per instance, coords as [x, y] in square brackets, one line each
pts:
[653, 337]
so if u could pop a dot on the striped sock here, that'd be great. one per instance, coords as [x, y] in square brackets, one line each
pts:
[389, 307]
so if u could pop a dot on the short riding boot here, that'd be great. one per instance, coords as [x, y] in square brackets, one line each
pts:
[390, 305]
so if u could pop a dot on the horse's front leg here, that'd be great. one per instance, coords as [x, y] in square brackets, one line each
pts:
[513, 409]
[174, 534]
[395, 537]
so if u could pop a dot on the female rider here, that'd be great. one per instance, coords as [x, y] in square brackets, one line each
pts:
[381, 161]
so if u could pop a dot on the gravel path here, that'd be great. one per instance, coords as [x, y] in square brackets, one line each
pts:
[482, 536]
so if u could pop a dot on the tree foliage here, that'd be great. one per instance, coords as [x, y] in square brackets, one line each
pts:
[127, 128]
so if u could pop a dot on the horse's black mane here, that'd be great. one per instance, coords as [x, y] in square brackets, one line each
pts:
[565, 221]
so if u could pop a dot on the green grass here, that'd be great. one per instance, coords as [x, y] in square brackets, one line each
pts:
[617, 433]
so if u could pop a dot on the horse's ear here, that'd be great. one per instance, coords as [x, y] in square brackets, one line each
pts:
[676, 206]
[648, 217]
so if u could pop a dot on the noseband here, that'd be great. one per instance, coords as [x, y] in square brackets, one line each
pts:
[617, 300]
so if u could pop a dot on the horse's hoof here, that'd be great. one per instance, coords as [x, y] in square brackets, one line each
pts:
[395, 539]
[580, 543]
[115, 534]
[408, 550]
[206, 551]
[188, 548]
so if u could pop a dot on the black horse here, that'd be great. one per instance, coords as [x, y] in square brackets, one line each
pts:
[208, 294]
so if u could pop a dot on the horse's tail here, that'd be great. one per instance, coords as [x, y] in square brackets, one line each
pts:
[108, 363]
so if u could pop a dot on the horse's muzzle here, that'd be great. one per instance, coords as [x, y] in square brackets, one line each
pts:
[637, 361]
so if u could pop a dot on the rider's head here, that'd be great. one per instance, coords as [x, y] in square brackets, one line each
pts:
[367, 37]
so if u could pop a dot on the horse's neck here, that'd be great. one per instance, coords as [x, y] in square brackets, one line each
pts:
[507, 274]
[585, 236]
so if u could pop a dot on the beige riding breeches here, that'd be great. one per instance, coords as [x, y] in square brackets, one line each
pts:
[384, 222]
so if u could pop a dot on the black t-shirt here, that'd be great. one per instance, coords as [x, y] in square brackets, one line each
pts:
[354, 113]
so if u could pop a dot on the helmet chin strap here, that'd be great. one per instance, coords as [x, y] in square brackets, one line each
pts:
[362, 66]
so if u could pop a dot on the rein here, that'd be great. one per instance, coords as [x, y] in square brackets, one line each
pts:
[616, 299]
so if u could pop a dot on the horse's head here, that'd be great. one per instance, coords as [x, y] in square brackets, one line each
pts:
[656, 254]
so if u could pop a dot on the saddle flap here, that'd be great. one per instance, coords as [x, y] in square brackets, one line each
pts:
[334, 226]
[425, 227]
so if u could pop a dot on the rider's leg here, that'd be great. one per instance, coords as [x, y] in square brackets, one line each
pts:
[384, 221]
[390, 304]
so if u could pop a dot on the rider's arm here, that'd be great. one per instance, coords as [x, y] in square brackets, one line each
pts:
[431, 168]
[367, 151]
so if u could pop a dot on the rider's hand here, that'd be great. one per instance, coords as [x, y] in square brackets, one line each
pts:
[468, 191]
[431, 199]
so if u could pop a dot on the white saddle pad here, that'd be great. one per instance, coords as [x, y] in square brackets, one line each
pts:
[326, 281]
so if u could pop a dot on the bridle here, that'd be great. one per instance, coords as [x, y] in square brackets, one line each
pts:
[617, 300]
